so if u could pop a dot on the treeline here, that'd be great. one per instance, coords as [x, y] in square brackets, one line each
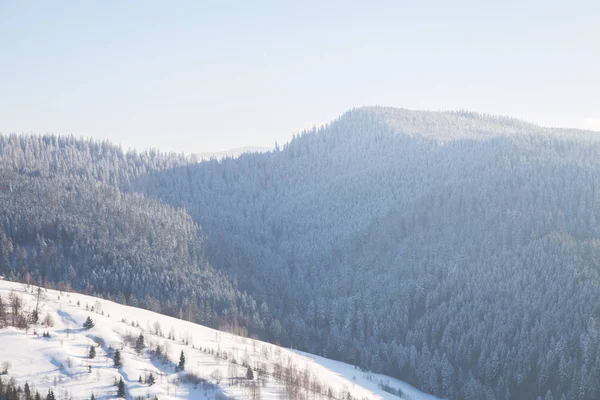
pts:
[12, 391]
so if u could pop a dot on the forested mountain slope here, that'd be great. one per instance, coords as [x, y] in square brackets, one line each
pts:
[457, 251]
[61, 224]
[454, 250]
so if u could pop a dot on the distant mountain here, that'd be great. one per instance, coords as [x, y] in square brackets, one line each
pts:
[233, 153]
[457, 251]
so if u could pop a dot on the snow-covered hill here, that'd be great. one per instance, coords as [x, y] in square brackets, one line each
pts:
[216, 363]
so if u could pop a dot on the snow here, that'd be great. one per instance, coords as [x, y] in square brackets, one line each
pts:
[61, 362]
[369, 380]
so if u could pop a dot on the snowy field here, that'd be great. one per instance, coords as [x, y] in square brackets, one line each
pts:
[216, 365]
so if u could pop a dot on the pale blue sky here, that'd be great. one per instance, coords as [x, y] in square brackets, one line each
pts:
[206, 76]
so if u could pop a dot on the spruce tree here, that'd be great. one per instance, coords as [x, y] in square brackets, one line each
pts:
[27, 392]
[88, 324]
[139, 344]
[181, 365]
[121, 388]
[249, 373]
[117, 359]
[92, 353]
[150, 380]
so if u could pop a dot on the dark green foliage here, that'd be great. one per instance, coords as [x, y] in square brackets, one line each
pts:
[121, 389]
[92, 352]
[181, 365]
[11, 391]
[88, 324]
[139, 344]
[117, 362]
[27, 392]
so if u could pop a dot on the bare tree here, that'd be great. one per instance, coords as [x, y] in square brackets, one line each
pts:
[2, 313]
[40, 297]
[16, 305]
[217, 375]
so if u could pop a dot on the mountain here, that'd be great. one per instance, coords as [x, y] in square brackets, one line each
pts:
[56, 355]
[454, 250]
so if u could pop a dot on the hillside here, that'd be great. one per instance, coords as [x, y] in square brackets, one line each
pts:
[62, 363]
[416, 243]
[456, 251]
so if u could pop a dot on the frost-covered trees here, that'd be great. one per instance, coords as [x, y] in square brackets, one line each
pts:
[217, 376]
[456, 251]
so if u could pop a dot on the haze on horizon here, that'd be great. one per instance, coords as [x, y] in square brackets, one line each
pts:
[212, 76]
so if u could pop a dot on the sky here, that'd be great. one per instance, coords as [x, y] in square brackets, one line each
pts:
[203, 76]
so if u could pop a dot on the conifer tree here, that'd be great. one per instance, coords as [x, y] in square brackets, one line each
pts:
[139, 344]
[92, 353]
[50, 395]
[181, 365]
[88, 324]
[117, 359]
[121, 388]
[27, 392]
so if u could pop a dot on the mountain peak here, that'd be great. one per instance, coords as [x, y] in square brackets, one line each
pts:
[459, 124]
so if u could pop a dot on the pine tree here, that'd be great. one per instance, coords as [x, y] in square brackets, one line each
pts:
[150, 380]
[121, 388]
[88, 324]
[139, 344]
[181, 365]
[117, 359]
[93, 397]
[249, 373]
[38, 396]
[92, 351]
[50, 395]
[27, 392]
[140, 379]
